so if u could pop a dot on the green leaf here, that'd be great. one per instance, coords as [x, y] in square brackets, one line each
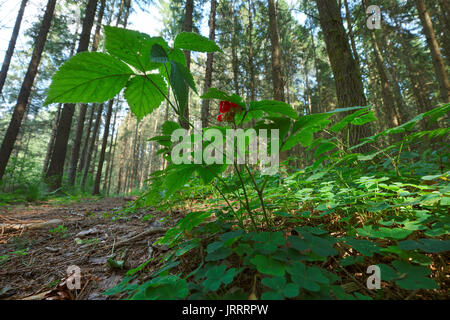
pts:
[88, 77]
[426, 245]
[177, 178]
[180, 79]
[313, 121]
[305, 137]
[195, 42]
[215, 276]
[142, 94]
[158, 54]
[415, 277]
[273, 106]
[308, 278]
[268, 265]
[268, 242]
[348, 119]
[282, 289]
[132, 47]
[320, 246]
[169, 127]
[365, 247]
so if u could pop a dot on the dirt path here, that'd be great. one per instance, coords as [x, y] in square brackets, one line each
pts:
[39, 242]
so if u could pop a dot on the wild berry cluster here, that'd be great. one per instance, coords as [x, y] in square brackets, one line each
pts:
[227, 111]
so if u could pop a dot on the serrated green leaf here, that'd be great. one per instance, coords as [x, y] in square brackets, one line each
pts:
[88, 77]
[273, 106]
[133, 47]
[195, 42]
[143, 96]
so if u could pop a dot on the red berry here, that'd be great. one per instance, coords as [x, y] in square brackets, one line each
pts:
[219, 118]
[234, 105]
[224, 106]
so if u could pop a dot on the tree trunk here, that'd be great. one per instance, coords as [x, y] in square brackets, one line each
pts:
[250, 51]
[438, 61]
[109, 160]
[209, 65]
[350, 32]
[75, 154]
[12, 45]
[390, 117]
[98, 176]
[349, 87]
[52, 139]
[184, 119]
[277, 79]
[25, 90]
[92, 145]
[56, 167]
[234, 44]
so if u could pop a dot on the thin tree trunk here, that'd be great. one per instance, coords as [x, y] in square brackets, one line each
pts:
[184, 119]
[350, 32]
[52, 139]
[349, 87]
[25, 90]
[234, 44]
[109, 160]
[98, 176]
[56, 167]
[250, 51]
[277, 79]
[12, 45]
[209, 65]
[438, 61]
[75, 154]
[87, 164]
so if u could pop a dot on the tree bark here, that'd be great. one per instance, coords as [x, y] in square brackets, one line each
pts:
[250, 51]
[209, 65]
[350, 32]
[25, 90]
[92, 145]
[52, 139]
[277, 79]
[98, 176]
[56, 167]
[438, 61]
[75, 154]
[189, 9]
[349, 87]
[12, 45]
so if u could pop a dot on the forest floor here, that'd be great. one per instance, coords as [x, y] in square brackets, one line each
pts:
[39, 241]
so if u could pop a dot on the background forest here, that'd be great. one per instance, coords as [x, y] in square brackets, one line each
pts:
[398, 68]
[371, 188]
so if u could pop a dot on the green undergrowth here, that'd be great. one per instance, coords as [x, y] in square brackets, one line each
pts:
[327, 224]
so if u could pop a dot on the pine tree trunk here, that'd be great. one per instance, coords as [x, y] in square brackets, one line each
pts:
[250, 51]
[109, 159]
[184, 119]
[350, 32]
[75, 154]
[349, 87]
[90, 151]
[390, 117]
[209, 65]
[56, 167]
[52, 139]
[98, 176]
[25, 90]
[277, 79]
[438, 61]
[234, 44]
[12, 45]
